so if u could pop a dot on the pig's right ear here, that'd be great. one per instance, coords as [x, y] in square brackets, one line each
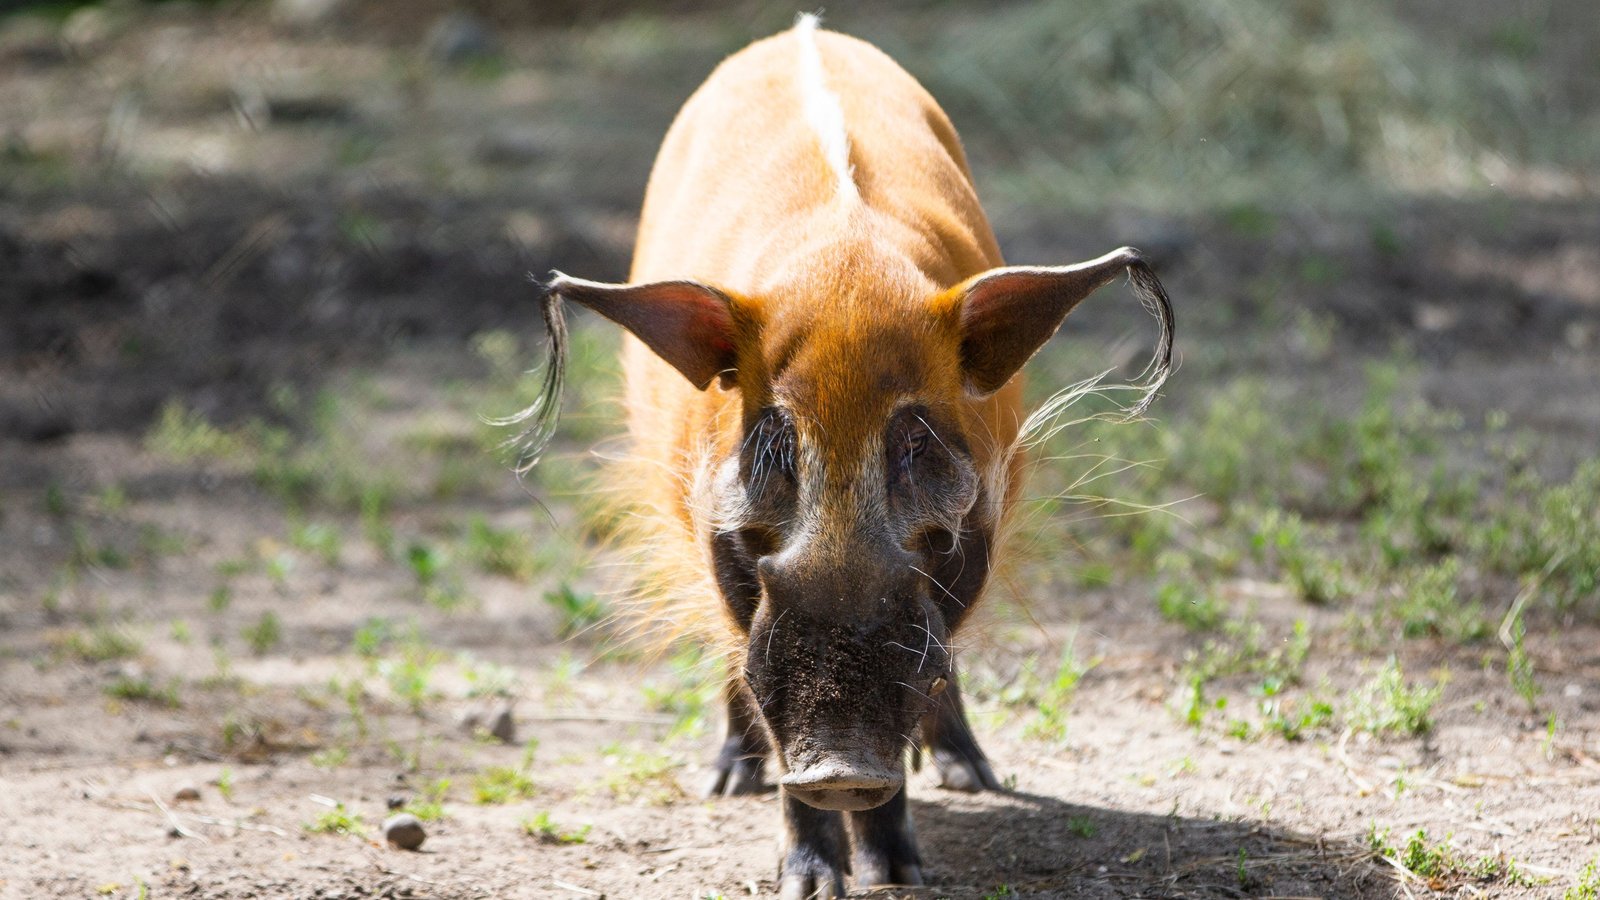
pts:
[686, 323]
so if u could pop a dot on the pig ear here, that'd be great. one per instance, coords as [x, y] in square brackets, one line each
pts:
[686, 323]
[1008, 313]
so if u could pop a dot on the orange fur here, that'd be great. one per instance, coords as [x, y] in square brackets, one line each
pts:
[742, 197]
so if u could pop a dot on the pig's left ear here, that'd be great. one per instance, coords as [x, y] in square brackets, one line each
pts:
[686, 323]
[1007, 314]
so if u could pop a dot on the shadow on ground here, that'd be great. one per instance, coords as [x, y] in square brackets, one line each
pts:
[1043, 847]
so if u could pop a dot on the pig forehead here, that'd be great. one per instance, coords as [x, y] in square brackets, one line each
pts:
[849, 381]
[884, 346]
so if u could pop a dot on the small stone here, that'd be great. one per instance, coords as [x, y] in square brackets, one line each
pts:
[502, 725]
[89, 28]
[396, 801]
[514, 146]
[1580, 335]
[459, 37]
[187, 792]
[404, 831]
[1436, 317]
[470, 721]
[1572, 690]
[303, 13]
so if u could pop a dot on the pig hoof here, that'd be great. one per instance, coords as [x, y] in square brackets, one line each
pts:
[878, 873]
[735, 775]
[820, 886]
[961, 773]
[885, 844]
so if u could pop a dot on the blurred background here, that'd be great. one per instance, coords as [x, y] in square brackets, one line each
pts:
[208, 200]
[262, 278]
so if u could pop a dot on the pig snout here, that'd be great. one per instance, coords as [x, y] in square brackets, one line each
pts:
[849, 782]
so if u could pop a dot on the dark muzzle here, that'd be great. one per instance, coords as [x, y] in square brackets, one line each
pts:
[843, 781]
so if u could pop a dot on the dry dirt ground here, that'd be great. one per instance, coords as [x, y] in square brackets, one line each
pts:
[293, 612]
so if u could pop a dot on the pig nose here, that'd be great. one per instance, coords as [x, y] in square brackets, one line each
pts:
[838, 782]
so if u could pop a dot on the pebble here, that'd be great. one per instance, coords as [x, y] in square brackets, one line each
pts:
[459, 37]
[396, 801]
[187, 792]
[301, 13]
[89, 28]
[514, 146]
[502, 725]
[404, 831]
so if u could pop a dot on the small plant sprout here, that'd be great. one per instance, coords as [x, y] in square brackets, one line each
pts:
[1186, 602]
[102, 643]
[1519, 666]
[143, 689]
[578, 610]
[426, 562]
[501, 551]
[183, 435]
[644, 775]
[501, 784]
[1587, 885]
[408, 670]
[319, 538]
[430, 806]
[543, 827]
[370, 639]
[487, 679]
[686, 692]
[279, 566]
[1440, 865]
[330, 758]
[1389, 705]
[265, 634]
[337, 820]
[1551, 724]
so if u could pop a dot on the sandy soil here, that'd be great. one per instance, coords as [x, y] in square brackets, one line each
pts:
[271, 267]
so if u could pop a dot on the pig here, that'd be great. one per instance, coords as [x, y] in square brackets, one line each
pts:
[822, 359]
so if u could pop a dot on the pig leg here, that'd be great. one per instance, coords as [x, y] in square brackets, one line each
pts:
[885, 845]
[957, 757]
[737, 768]
[814, 860]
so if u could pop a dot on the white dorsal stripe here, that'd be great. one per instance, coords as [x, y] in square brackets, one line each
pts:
[822, 107]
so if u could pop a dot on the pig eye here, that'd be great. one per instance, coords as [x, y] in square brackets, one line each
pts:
[913, 442]
[771, 448]
[908, 438]
[938, 686]
[916, 442]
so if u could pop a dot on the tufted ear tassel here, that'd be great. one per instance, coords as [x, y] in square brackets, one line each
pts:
[1007, 314]
[686, 323]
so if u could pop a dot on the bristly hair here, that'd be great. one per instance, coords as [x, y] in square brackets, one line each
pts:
[538, 422]
[1147, 287]
[1047, 421]
[1051, 418]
